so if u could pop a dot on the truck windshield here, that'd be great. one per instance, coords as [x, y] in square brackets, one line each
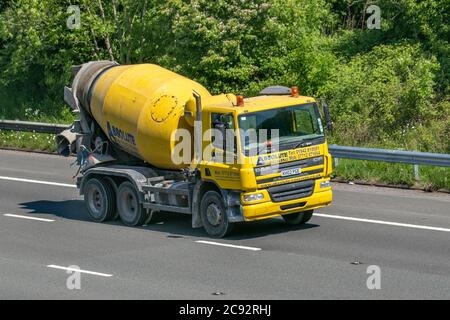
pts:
[296, 125]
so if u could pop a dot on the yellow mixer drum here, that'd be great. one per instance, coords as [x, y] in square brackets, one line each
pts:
[139, 106]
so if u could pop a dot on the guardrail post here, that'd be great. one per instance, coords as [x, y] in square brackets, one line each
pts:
[416, 172]
[335, 162]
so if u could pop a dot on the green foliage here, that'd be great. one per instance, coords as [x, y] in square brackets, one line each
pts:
[388, 91]
[387, 87]
[28, 141]
[239, 46]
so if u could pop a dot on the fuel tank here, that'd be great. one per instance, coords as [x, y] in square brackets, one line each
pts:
[138, 107]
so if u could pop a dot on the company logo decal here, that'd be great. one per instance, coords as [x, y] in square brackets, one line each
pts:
[118, 135]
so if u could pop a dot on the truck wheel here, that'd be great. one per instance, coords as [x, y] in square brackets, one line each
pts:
[130, 210]
[214, 216]
[100, 200]
[298, 217]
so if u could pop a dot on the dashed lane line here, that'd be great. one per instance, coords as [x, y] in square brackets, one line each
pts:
[50, 183]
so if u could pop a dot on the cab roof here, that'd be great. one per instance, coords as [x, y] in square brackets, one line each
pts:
[258, 103]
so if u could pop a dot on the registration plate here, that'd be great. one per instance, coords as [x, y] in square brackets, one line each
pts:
[290, 172]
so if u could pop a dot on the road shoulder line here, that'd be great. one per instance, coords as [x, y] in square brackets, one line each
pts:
[390, 223]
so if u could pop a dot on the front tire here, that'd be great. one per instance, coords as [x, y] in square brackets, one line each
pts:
[130, 209]
[298, 218]
[214, 216]
[100, 200]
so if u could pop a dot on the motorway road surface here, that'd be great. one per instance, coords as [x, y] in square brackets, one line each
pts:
[405, 233]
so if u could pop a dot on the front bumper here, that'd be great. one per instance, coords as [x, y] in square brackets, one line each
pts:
[266, 208]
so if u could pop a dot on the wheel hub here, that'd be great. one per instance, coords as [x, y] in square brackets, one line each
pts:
[95, 201]
[214, 214]
[128, 205]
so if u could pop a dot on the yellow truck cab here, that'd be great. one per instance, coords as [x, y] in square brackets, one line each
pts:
[293, 179]
[269, 159]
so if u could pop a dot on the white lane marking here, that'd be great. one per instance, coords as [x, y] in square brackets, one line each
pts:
[228, 245]
[390, 223]
[27, 217]
[79, 270]
[39, 182]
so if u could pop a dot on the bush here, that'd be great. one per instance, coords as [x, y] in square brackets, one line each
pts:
[382, 94]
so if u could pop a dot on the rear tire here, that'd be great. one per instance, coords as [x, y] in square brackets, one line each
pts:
[214, 216]
[298, 218]
[130, 209]
[100, 200]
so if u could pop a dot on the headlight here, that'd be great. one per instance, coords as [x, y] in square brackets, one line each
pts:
[325, 184]
[253, 197]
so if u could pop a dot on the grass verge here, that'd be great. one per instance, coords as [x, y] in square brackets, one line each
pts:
[27, 141]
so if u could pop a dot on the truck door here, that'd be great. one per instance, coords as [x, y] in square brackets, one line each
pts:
[220, 150]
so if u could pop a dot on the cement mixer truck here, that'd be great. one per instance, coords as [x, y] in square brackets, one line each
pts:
[149, 140]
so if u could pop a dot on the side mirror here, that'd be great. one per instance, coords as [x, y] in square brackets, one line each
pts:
[326, 112]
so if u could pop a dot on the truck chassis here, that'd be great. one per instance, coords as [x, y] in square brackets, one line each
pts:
[134, 193]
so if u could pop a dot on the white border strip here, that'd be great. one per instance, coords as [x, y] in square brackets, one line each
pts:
[390, 223]
[39, 182]
[228, 245]
[27, 217]
[80, 271]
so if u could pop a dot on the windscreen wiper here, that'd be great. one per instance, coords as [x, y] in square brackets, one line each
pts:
[305, 143]
[302, 144]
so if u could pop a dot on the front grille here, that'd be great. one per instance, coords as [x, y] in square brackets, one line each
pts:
[291, 191]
